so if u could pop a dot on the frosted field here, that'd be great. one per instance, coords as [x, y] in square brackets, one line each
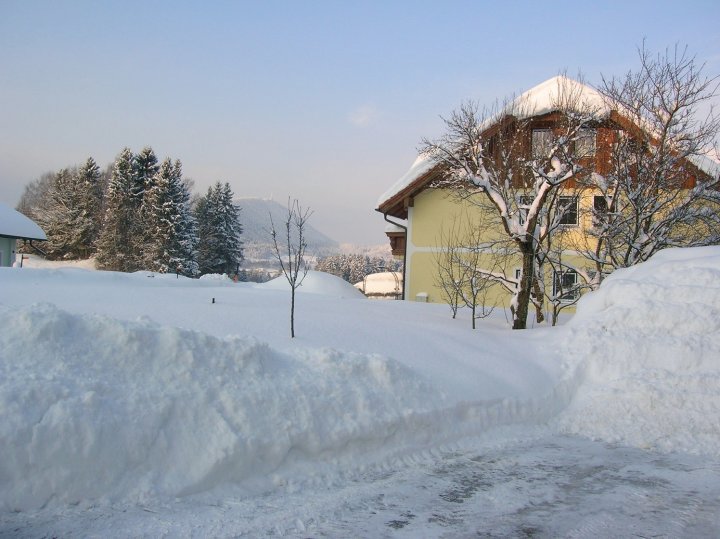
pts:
[133, 405]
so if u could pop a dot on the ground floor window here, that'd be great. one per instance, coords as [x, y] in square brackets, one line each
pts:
[565, 285]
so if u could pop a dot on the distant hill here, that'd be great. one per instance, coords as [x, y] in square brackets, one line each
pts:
[255, 218]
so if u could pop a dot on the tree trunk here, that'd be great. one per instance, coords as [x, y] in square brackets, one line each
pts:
[292, 311]
[523, 297]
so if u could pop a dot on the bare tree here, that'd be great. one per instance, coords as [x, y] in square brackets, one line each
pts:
[486, 162]
[567, 280]
[661, 189]
[290, 246]
[35, 194]
[450, 276]
[465, 267]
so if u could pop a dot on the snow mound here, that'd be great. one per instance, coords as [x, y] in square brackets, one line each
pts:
[100, 409]
[35, 261]
[318, 282]
[648, 348]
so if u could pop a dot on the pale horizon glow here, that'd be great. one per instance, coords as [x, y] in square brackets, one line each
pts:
[321, 101]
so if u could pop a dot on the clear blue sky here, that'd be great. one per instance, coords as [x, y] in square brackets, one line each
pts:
[325, 101]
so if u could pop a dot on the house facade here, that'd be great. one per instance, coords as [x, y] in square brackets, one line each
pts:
[428, 217]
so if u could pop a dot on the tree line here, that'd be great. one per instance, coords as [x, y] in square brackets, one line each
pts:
[138, 214]
[355, 267]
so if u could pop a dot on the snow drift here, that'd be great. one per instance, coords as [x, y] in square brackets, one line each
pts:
[97, 408]
[647, 347]
[317, 282]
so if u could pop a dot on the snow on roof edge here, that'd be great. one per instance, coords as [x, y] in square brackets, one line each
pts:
[422, 164]
[16, 225]
[536, 101]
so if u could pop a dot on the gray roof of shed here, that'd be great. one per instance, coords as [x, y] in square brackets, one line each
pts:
[14, 224]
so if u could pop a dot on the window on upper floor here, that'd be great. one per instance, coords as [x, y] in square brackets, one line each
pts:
[600, 210]
[568, 205]
[585, 143]
[541, 143]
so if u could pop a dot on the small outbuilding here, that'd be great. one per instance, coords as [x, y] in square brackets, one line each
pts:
[15, 226]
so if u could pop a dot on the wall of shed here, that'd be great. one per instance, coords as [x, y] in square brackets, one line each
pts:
[7, 251]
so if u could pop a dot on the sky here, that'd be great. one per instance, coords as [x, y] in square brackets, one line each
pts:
[323, 101]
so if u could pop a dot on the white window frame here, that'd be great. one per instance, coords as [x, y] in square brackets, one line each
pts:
[566, 201]
[540, 145]
[586, 142]
[573, 294]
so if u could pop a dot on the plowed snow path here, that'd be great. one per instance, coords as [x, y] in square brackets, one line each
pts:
[542, 487]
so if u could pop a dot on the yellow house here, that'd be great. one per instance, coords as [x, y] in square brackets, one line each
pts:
[426, 217]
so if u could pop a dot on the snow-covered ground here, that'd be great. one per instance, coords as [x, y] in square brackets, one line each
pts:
[147, 405]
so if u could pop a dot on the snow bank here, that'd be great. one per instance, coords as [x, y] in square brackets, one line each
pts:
[95, 408]
[317, 282]
[121, 408]
[34, 261]
[647, 345]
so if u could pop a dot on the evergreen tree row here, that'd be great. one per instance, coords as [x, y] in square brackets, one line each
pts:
[136, 216]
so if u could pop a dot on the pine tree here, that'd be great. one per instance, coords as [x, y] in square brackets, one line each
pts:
[185, 244]
[232, 229]
[220, 249]
[145, 168]
[171, 241]
[115, 247]
[87, 212]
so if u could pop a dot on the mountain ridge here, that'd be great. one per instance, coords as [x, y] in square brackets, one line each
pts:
[255, 217]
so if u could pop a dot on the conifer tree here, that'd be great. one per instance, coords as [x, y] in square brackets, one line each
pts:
[145, 167]
[171, 240]
[115, 247]
[87, 197]
[220, 248]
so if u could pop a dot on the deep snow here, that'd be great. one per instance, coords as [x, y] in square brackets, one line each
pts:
[121, 393]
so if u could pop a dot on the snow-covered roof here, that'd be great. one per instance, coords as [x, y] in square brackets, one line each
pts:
[539, 100]
[423, 164]
[14, 224]
[707, 163]
[547, 96]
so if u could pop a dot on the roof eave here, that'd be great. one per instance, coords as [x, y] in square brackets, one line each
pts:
[395, 205]
[11, 236]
